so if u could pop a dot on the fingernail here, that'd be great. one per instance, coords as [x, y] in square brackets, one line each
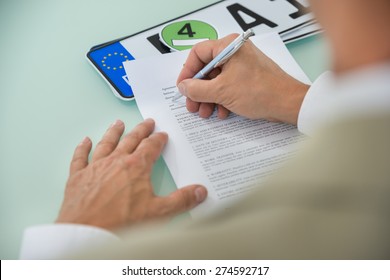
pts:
[149, 120]
[200, 194]
[117, 123]
[164, 133]
[182, 88]
[86, 140]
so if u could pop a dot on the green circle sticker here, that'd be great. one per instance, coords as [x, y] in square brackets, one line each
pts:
[182, 35]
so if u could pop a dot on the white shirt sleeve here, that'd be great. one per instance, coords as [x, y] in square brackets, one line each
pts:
[311, 114]
[57, 241]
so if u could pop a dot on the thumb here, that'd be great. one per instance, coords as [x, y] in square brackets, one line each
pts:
[198, 90]
[184, 199]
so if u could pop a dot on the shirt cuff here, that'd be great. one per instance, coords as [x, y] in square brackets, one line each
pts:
[310, 115]
[59, 241]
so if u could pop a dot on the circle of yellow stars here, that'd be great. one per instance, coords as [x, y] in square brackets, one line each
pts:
[110, 55]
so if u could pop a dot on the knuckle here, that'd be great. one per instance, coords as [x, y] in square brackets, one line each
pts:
[149, 149]
[141, 131]
[137, 164]
[194, 51]
[199, 47]
[232, 36]
[134, 160]
[147, 142]
[78, 159]
[103, 164]
[106, 145]
[136, 134]
[154, 141]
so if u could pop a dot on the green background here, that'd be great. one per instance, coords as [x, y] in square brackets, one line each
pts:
[50, 97]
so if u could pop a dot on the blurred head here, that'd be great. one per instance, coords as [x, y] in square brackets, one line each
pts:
[358, 30]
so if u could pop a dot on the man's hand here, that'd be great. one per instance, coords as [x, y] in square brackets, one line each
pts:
[114, 189]
[249, 84]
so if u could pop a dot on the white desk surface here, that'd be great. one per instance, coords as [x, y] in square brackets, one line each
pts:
[50, 97]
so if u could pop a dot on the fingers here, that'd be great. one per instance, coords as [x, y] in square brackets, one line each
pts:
[201, 54]
[109, 141]
[183, 200]
[201, 96]
[150, 149]
[80, 156]
[200, 90]
[223, 113]
[192, 106]
[130, 142]
[202, 93]
[206, 110]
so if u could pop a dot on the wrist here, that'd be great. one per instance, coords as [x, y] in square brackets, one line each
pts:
[291, 102]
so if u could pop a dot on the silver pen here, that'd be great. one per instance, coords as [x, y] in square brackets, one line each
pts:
[221, 58]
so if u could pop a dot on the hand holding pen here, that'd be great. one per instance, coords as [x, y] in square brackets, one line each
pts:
[250, 84]
[221, 58]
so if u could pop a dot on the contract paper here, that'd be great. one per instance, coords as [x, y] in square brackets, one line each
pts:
[230, 157]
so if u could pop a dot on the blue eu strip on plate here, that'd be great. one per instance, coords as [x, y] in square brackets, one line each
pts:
[109, 60]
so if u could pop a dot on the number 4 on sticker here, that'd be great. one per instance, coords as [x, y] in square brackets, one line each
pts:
[183, 35]
[186, 30]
